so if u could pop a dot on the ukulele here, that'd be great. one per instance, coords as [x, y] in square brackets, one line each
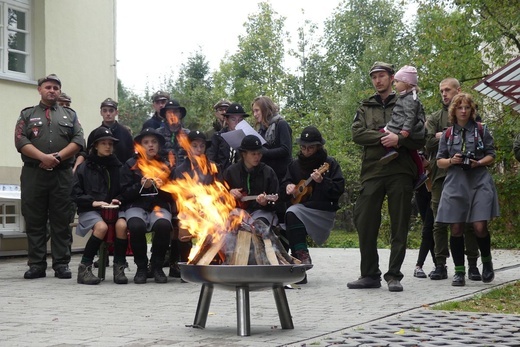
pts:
[302, 190]
[271, 199]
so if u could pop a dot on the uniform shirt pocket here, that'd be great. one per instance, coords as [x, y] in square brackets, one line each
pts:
[34, 129]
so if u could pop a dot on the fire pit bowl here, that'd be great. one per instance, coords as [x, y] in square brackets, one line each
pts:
[255, 277]
[243, 279]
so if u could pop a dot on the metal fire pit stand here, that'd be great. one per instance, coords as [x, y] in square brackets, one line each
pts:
[243, 313]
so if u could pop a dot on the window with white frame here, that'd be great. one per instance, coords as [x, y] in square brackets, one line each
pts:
[9, 215]
[15, 38]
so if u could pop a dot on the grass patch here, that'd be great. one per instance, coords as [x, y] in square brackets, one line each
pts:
[500, 300]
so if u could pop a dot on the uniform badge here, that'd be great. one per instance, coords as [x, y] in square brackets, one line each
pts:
[35, 131]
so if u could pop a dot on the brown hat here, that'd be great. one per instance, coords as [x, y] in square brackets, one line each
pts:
[51, 77]
[160, 95]
[109, 103]
[64, 97]
[381, 66]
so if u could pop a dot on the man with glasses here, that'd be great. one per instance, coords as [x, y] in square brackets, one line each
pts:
[313, 183]
[159, 99]
[220, 152]
[48, 136]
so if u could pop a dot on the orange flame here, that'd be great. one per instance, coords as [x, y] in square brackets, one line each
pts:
[154, 169]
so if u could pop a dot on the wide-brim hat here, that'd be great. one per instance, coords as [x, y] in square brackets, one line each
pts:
[251, 143]
[310, 136]
[235, 109]
[197, 135]
[173, 105]
[150, 132]
[101, 133]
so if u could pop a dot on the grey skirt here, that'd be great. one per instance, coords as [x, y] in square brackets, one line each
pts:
[87, 220]
[318, 223]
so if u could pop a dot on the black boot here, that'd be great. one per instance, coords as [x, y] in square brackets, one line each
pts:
[440, 272]
[459, 279]
[488, 274]
[140, 275]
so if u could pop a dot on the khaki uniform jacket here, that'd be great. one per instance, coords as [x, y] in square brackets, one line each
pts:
[49, 136]
[436, 122]
[372, 116]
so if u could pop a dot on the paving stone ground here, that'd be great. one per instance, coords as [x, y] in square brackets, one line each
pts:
[55, 312]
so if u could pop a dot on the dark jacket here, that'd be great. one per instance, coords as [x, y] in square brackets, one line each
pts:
[172, 145]
[279, 152]
[192, 169]
[124, 149]
[262, 179]
[96, 179]
[325, 195]
[133, 196]
[220, 152]
[155, 122]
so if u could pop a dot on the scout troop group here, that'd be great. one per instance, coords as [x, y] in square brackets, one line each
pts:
[299, 196]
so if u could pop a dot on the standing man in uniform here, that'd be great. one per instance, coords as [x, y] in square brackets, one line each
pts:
[394, 180]
[220, 121]
[436, 124]
[159, 100]
[124, 148]
[48, 136]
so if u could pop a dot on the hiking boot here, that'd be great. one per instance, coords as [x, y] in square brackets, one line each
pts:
[303, 256]
[175, 271]
[85, 275]
[419, 272]
[459, 279]
[119, 274]
[34, 272]
[159, 276]
[474, 274]
[440, 273]
[388, 157]
[488, 274]
[140, 275]
[62, 272]
[395, 286]
[365, 282]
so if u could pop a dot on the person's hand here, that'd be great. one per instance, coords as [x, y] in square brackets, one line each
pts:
[236, 192]
[48, 161]
[290, 189]
[158, 182]
[316, 176]
[261, 199]
[438, 135]
[390, 140]
[146, 182]
[456, 159]
[115, 202]
[99, 203]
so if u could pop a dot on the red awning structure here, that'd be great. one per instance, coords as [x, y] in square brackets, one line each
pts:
[503, 85]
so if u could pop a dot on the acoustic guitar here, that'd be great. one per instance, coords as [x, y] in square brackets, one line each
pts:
[302, 190]
[244, 201]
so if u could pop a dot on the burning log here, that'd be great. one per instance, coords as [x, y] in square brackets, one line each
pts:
[241, 253]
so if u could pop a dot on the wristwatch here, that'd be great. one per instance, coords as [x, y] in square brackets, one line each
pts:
[57, 156]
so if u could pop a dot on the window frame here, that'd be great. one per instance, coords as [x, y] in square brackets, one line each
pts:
[24, 6]
[4, 226]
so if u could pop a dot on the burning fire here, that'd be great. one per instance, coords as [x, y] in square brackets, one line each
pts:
[202, 208]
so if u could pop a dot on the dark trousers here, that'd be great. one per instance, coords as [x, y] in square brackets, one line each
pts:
[160, 242]
[423, 201]
[367, 219]
[46, 195]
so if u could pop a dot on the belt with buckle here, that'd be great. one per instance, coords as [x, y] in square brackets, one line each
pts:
[59, 167]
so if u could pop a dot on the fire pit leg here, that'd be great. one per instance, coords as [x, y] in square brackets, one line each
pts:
[283, 307]
[243, 317]
[206, 292]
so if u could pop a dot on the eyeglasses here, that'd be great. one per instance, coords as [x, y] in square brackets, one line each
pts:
[308, 148]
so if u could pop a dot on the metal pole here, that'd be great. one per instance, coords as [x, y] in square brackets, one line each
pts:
[283, 307]
[243, 319]
[206, 292]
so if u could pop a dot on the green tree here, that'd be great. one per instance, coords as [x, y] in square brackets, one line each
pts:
[133, 109]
